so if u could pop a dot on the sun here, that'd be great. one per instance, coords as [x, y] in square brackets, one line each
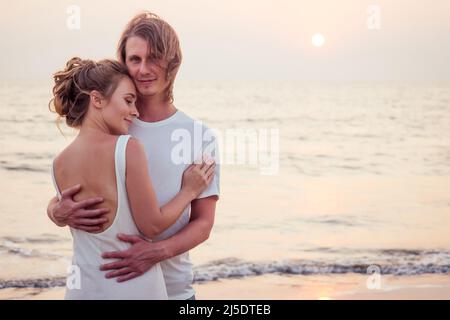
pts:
[318, 40]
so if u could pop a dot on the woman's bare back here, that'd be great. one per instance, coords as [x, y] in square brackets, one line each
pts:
[90, 163]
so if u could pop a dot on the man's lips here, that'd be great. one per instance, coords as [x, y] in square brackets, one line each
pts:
[146, 81]
[129, 121]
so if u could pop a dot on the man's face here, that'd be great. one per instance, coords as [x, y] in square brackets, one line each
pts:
[149, 75]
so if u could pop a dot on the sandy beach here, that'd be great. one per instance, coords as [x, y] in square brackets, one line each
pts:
[275, 287]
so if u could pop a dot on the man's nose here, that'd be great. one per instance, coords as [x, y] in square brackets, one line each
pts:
[144, 68]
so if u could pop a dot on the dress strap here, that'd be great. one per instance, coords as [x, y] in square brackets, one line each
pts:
[120, 159]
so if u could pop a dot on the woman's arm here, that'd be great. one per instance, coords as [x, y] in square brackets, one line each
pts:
[149, 218]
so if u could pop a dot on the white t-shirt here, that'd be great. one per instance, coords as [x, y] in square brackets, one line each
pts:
[171, 146]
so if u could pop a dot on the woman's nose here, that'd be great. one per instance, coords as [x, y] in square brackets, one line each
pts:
[135, 112]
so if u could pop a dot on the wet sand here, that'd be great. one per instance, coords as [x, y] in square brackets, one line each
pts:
[274, 287]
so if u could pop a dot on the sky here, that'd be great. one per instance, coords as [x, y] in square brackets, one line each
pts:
[242, 39]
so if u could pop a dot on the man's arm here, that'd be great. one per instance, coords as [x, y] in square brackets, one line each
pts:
[66, 211]
[197, 230]
[50, 212]
[143, 255]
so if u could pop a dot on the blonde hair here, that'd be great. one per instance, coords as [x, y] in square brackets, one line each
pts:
[162, 41]
[73, 85]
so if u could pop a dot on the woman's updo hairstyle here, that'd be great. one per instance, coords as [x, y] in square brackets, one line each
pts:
[73, 85]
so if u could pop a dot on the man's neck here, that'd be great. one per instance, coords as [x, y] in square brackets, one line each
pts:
[153, 109]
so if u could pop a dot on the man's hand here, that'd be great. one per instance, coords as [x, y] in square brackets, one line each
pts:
[76, 214]
[135, 261]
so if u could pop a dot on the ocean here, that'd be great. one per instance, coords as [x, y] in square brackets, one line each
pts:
[362, 181]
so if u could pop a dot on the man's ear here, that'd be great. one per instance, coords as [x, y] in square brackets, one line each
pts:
[97, 99]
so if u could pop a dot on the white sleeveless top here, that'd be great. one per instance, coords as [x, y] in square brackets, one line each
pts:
[85, 280]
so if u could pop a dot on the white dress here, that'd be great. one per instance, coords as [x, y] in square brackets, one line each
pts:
[85, 280]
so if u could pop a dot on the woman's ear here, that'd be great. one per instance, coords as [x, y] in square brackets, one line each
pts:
[97, 99]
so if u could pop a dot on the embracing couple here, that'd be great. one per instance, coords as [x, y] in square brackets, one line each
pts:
[134, 203]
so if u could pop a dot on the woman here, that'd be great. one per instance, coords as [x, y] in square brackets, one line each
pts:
[99, 100]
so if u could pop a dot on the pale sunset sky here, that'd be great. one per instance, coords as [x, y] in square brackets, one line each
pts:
[242, 39]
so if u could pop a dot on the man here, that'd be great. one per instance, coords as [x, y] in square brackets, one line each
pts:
[150, 49]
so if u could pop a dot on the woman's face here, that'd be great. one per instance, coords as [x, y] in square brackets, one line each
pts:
[120, 110]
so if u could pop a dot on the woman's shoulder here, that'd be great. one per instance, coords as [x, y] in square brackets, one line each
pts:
[80, 148]
[64, 155]
[134, 147]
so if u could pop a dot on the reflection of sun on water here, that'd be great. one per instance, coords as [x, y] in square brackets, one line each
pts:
[318, 40]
